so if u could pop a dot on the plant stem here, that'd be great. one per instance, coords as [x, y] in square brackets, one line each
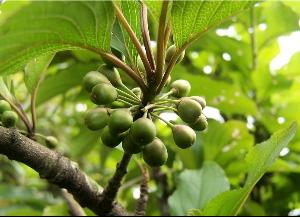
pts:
[128, 95]
[166, 94]
[167, 35]
[160, 42]
[126, 103]
[130, 91]
[74, 208]
[253, 38]
[146, 37]
[160, 118]
[170, 67]
[115, 60]
[33, 109]
[133, 37]
[130, 100]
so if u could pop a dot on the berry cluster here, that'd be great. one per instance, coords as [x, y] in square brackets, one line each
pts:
[8, 117]
[125, 119]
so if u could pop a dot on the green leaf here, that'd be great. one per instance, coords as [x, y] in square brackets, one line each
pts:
[259, 159]
[35, 69]
[196, 187]
[132, 12]
[63, 81]
[190, 19]
[47, 27]
[154, 7]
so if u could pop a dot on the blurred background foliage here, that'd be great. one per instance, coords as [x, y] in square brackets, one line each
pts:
[248, 69]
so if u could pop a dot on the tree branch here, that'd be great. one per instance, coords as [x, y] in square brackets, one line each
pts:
[144, 191]
[55, 168]
[110, 192]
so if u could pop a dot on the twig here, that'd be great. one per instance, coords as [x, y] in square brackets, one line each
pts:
[74, 208]
[167, 35]
[133, 37]
[111, 190]
[146, 36]
[143, 200]
[32, 105]
[160, 42]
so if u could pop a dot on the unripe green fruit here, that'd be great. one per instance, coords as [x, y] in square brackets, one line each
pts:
[112, 74]
[103, 94]
[120, 121]
[4, 106]
[96, 119]
[155, 153]
[184, 136]
[51, 142]
[91, 79]
[130, 147]
[142, 131]
[170, 53]
[200, 100]
[189, 110]
[201, 123]
[137, 91]
[109, 139]
[181, 88]
[9, 118]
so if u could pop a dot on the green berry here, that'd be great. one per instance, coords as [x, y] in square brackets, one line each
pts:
[109, 139]
[9, 118]
[103, 94]
[201, 123]
[4, 106]
[181, 88]
[189, 110]
[112, 75]
[137, 91]
[155, 153]
[91, 79]
[120, 121]
[131, 147]
[96, 119]
[170, 53]
[51, 142]
[142, 131]
[184, 136]
[200, 100]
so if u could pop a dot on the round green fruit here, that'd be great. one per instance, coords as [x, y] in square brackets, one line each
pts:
[184, 136]
[4, 106]
[103, 94]
[201, 123]
[181, 88]
[120, 121]
[155, 153]
[200, 100]
[170, 53]
[9, 119]
[96, 119]
[137, 91]
[112, 74]
[189, 110]
[91, 79]
[130, 147]
[142, 131]
[109, 139]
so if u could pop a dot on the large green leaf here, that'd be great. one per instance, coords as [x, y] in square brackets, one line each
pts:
[259, 159]
[47, 27]
[191, 18]
[196, 187]
[34, 70]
